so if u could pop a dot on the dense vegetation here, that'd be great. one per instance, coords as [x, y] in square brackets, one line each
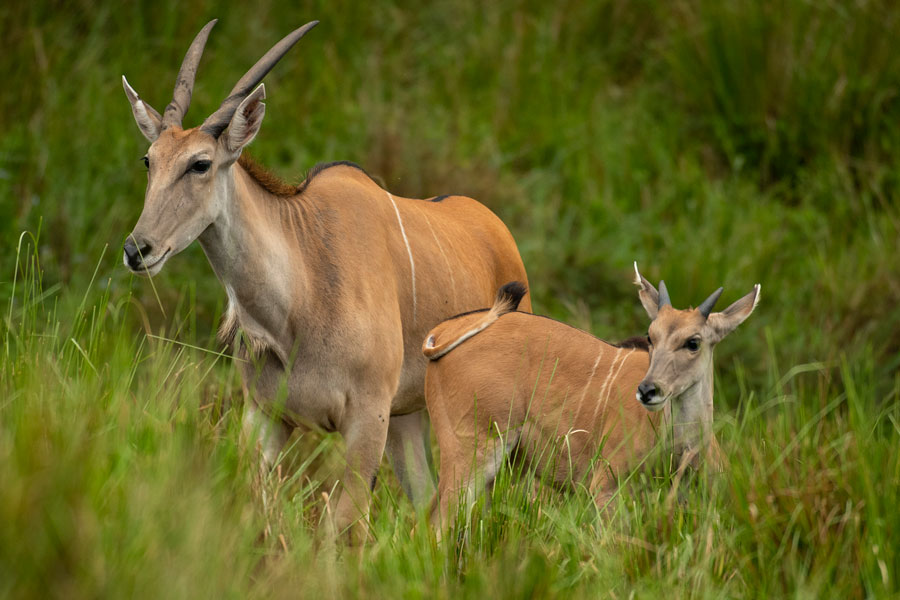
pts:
[716, 143]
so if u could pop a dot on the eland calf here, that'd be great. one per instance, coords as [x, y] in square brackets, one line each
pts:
[331, 284]
[570, 406]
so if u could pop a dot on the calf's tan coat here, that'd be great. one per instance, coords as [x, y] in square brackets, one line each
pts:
[501, 381]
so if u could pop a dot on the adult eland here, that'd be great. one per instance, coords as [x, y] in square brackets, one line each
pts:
[331, 284]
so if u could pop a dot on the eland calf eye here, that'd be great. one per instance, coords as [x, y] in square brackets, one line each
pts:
[146, 161]
[692, 344]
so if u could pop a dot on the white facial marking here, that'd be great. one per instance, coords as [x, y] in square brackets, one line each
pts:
[412, 264]
[654, 405]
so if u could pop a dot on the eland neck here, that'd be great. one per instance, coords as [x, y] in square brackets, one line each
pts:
[263, 272]
[690, 416]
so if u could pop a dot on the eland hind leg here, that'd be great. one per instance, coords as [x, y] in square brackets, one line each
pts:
[407, 450]
[468, 469]
[365, 433]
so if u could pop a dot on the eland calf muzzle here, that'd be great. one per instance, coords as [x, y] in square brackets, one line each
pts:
[647, 392]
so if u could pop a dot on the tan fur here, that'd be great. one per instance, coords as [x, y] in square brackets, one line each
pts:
[561, 391]
[563, 399]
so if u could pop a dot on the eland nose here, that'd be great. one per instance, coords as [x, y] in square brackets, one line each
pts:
[134, 255]
[647, 391]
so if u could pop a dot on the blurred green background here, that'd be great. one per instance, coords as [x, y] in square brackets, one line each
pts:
[715, 143]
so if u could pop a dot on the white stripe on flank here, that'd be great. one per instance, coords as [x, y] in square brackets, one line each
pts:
[616, 376]
[412, 264]
[606, 383]
[587, 384]
[444, 254]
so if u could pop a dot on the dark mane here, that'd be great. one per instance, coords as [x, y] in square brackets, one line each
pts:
[266, 179]
[276, 186]
[317, 169]
[638, 342]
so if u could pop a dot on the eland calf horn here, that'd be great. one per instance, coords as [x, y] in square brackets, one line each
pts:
[706, 307]
[663, 295]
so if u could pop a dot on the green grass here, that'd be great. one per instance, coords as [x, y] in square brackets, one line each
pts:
[715, 143]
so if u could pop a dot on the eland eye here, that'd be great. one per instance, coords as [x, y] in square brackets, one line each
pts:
[146, 161]
[692, 344]
[200, 166]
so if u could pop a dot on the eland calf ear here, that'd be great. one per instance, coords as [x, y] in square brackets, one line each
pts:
[723, 323]
[146, 117]
[647, 293]
[246, 121]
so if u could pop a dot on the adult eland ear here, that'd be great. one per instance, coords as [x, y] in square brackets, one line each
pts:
[246, 120]
[726, 321]
[148, 120]
[647, 293]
